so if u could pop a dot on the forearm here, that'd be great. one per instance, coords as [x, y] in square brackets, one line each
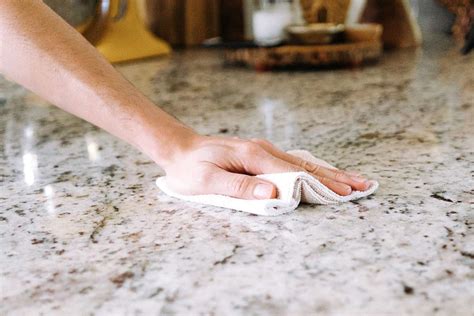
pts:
[41, 52]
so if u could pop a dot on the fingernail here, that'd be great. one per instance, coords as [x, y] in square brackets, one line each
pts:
[359, 179]
[263, 191]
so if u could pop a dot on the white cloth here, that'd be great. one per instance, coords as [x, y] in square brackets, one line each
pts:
[293, 188]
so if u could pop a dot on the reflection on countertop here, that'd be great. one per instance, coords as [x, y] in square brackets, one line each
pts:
[84, 230]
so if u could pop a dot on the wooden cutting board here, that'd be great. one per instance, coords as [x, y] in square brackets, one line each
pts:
[358, 48]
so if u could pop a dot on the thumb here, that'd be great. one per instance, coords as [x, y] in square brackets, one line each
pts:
[241, 186]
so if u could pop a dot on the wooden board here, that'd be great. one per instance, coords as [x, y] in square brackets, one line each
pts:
[344, 54]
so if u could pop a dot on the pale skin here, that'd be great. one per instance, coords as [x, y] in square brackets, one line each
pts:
[44, 54]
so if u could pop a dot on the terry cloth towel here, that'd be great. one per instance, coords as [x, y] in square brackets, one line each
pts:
[293, 188]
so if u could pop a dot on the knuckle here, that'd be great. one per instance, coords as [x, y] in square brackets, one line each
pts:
[339, 175]
[239, 185]
[250, 148]
[260, 141]
[303, 164]
[311, 167]
[324, 180]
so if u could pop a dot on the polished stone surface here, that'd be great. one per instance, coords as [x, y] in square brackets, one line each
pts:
[83, 229]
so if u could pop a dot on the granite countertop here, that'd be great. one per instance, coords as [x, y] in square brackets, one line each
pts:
[84, 230]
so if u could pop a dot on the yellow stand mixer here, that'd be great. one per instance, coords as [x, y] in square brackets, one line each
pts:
[119, 34]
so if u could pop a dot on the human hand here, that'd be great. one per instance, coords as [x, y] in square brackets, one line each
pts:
[227, 166]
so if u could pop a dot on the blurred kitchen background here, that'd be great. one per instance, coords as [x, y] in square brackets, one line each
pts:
[190, 23]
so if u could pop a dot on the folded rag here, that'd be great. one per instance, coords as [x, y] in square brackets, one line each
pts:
[293, 188]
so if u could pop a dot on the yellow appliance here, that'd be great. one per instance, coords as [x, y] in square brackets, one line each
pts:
[120, 35]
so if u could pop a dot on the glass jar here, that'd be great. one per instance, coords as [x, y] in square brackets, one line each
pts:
[270, 18]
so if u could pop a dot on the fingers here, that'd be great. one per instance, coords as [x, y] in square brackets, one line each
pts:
[329, 177]
[240, 186]
[279, 165]
[337, 175]
[260, 162]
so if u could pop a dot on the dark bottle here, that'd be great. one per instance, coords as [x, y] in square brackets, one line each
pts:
[232, 20]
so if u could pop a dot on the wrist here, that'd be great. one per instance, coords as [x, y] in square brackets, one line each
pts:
[165, 147]
[157, 134]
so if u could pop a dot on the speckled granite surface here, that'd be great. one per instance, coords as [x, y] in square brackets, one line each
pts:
[84, 230]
